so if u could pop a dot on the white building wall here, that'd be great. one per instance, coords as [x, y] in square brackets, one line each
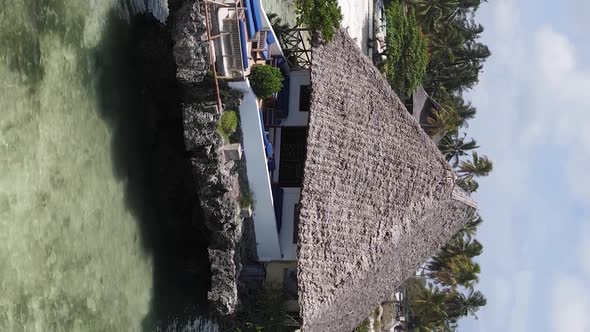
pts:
[354, 19]
[291, 196]
[296, 117]
[267, 237]
[290, 199]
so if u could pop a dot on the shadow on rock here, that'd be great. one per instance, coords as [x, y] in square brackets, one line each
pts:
[139, 99]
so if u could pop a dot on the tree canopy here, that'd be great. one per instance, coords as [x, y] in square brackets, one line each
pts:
[323, 16]
[265, 80]
[406, 52]
[445, 289]
[456, 59]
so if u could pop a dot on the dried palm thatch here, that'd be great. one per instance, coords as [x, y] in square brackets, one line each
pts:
[377, 197]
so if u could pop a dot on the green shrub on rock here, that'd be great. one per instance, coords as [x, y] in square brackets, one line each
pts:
[228, 124]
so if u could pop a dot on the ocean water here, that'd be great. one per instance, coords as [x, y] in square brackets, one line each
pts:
[72, 250]
[285, 9]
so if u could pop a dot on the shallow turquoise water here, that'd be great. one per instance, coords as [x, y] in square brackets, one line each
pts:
[71, 257]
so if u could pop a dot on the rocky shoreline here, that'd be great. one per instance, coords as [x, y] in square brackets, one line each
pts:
[217, 178]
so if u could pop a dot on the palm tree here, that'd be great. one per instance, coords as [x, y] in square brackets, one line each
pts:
[470, 5]
[430, 13]
[462, 76]
[465, 270]
[477, 167]
[459, 245]
[427, 306]
[442, 121]
[465, 110]
[470, 228]
[472, 248]
[444, 45]
[469, 185]
[453, 78]
[454, 147]
[471, 52]
[459, 305]
[469, 29]
[465, 11]
[453, 271]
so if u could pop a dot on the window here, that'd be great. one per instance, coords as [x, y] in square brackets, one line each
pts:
[304, 98]
[292, 157]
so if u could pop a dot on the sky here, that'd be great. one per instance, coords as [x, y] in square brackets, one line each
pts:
[533, 121]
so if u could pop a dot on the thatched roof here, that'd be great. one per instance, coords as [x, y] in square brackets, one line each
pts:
[377, 197]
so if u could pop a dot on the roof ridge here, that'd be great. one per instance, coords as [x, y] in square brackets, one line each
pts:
[464, 197]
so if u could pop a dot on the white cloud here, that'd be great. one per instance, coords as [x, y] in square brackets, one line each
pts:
[560, 88]
[508, 311]
[555, 54]
[495, 314]
[498, 124]
[561, 73]
[498, 128]
[505, 16]
[570, 305]
[531, 99]
[522, 285]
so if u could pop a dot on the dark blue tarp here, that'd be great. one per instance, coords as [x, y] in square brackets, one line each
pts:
[283, 97]
[270, 38]
[249, 20]
[244, 42]
[267, 144]
[256, 12]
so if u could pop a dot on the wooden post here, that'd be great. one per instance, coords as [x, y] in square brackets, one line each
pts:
[211, 50]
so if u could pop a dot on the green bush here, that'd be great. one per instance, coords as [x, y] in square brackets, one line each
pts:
[322, 16]
[265, 80]
[228, 124]
[246, 198]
